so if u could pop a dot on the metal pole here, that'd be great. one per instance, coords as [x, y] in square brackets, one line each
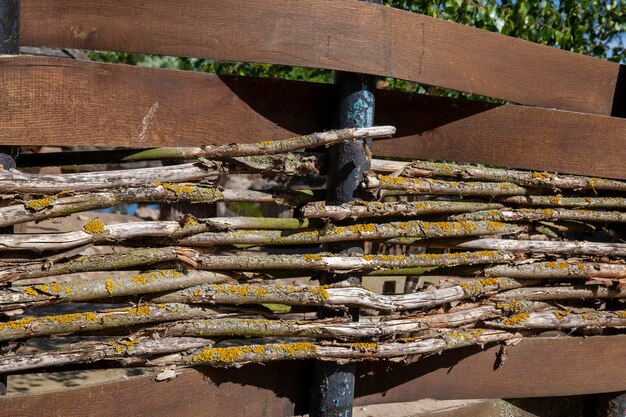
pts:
[9, 45]
[333, 384]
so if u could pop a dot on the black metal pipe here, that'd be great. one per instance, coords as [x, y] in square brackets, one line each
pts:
[9, 45]
[332, 391]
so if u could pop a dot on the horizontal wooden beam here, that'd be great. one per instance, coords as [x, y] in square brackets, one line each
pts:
[343, 35]
[49, 101]
[537, 367]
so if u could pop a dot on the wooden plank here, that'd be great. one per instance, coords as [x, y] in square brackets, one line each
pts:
[48, 101]
[253, 391]
[344, 35]
[512, 136]
[539, 367]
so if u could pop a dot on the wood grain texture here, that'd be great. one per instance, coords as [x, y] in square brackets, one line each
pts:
[49, 101]
[508, 136]
[344, 35]
[537, 367]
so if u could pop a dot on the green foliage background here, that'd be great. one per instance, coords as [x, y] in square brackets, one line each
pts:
[590, 27]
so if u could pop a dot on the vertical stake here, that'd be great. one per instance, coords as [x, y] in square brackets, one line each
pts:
[332, 391]
[9, 45]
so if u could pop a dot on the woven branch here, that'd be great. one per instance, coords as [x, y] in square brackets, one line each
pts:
[240, 355]
[562, 319]
[433, 186]
[535, 246]
[59, 205]
[21, 297]
[563, 292]
[532, 215]
[238, 294]
[99, 320]
[523, 178]
[122, 350]
[359, 209]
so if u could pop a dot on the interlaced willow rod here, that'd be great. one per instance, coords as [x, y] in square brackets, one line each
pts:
[519, 177]
[127, 351]
[18, 182]
[150, 256]
[434, 186]
[264, 147]
[99, 320]
[339, 329]
[203, 287]
[561, 292]
[95, 232]
[373, 231]
[561, 319]
[560, 269]
[554, 247]
[565, 202]
[239, 355]
[59, 205]
[338, 296]
[531, 215]
[141, 352]
[157, 281]
[359, 208]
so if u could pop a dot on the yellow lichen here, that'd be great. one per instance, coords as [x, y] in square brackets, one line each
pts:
[30, 291]
[311, 257]
[560, 314]
[110, 286]
[516, 319]
[94, 226]
[366, 347]
[40, 203]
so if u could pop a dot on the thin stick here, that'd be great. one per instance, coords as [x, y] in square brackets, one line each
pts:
[238, 294]
[562, 292]
[558, 270]
[523, 178]
[99, 320]
[20, 297]
[239, 355]
[562, 319]
[432, 186]
[566, 202]
[532, 215]
[122, 350]
[535, 246]
[59, 205]
[360, 209]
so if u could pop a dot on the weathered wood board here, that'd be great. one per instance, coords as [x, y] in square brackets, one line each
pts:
[344, 35]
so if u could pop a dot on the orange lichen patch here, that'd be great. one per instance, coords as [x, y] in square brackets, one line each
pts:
[475, 288]
[197, 293]
[560, 314]
[547, 212]
[495, 225]
[110, 286]
[94, 227]
[516, 319]
[312, 257]
[266, 143]
[139, 310]
[319, 292]
[477, 332]
[362, 228]
[229, 355]
[368, 257]
[555, 199]
[366, 347]
[540, 175]
[386, 180]
[155, 275]
[190, 222]
[192, 192]
[30, 291]
[512, 307]
[40, 203]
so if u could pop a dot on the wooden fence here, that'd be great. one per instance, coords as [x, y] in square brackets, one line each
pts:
[201, 284]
